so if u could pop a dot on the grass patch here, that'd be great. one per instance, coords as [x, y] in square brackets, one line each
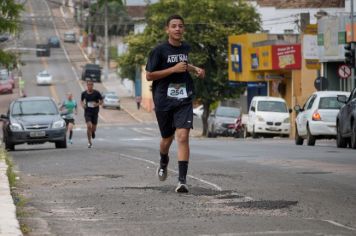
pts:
[19, 200]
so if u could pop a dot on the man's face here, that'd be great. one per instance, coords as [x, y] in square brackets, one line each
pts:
[175, 29]
[90, 86]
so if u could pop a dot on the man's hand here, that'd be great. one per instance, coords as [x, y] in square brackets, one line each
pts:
[180, 67]
[199, 72]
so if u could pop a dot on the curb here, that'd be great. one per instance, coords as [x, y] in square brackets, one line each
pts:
[9, 224]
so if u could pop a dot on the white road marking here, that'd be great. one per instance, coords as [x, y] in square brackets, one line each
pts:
[279, 232]
[174, 171]
[334, 223]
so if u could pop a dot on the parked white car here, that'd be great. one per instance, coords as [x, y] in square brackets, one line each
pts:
[317, 118]
[44, 78]
[268, 116]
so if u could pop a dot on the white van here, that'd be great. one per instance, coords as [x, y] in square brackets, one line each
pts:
[268, 115]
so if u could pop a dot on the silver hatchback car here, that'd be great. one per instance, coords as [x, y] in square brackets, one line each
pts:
[222, 121]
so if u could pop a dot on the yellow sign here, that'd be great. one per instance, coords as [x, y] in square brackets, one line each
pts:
[311, 29]
[312, 64]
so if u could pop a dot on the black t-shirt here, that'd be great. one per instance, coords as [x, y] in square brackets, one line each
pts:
[89, 98]
[175, 89]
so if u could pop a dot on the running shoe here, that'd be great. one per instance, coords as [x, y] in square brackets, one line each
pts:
[70, 141]
[89, 145]
[93, 135]
[162, 173]
[182, 188]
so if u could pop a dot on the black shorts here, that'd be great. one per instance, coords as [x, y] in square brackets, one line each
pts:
[91, 117]
[179, 117]
[69, 121]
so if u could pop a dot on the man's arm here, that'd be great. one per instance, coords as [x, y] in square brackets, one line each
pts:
[160, 74]
[82, 101]
[100, 98]
[199, 72]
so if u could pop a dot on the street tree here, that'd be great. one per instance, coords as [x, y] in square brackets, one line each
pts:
[9, 24]
[118, 19]
[208, 24]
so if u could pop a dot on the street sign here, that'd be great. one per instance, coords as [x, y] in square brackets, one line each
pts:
[344, 71]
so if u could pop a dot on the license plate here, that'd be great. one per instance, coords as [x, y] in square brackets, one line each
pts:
[272, 128]
[36, 134]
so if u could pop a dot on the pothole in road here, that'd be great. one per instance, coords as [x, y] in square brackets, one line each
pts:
[263, 204]
[194, 191]
[314, 172]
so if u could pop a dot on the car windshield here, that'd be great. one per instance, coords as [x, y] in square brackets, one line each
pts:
[272, 106]
[228, 112]
[35, 107]
[44, 74]
[112, 96]
[329, 103]
[53, 39]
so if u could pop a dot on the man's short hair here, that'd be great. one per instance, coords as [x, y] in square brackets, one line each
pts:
[174, 17]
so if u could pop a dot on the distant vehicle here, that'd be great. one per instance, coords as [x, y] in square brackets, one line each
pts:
[346, 121]
[43, 50]
[111, 101]
[4, 37]
[54, 42]
[6, 75]
[222, 121]
[44, 78]
[91, 72]
[103, 94]
[268, 116]
[317, 118]
[198, 111]
[33, 120]
[5, 87]
[69, 37]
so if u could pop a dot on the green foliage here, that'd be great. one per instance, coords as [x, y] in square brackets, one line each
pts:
[9, 23]
[118, 19]
[208, 23]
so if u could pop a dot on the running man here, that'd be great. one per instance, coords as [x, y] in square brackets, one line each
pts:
[69, 109]
[173, 91]
[91, 99]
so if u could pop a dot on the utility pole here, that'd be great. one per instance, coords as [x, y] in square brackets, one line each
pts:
[106, 67]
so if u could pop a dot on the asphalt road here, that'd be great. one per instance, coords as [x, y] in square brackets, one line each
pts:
[237, 187]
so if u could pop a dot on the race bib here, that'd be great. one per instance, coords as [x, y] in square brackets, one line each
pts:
[177, 91]
[91, 104]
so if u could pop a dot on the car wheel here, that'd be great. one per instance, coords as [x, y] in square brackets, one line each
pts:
[353, 136]
[310, 138]
[340, 141]
[254, 135]
[9, 146]
[298, 140]
[61, 144]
